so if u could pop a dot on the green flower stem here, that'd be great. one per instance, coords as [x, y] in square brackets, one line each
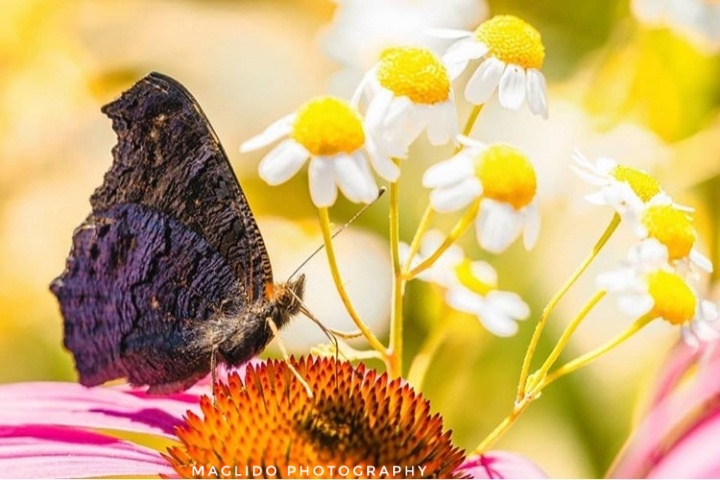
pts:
[422, 228]
[570, 367]
[337, 279]
[553, 302]
[421, 362]
[539, 376]
[460, 227]
[583, 360]
[396, 314]
[472, 119]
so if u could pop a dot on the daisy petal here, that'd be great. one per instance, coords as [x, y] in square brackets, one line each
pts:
[512, 87]
[357, 185]
[496, 323]
[377, 109]
[382, 163]
[635, 305]
[510, 303]
[323, 190]
[701, 261]
[283, 162]
[463, 300]
[33, 451]
[464, 50]
[484, 81]
[448, 172]
[455, 197]
[531, 231]
[497, 226]
[275, 131]
[537, 93]
[442, 124]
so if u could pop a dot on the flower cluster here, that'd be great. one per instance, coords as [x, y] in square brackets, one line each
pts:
[659, 278]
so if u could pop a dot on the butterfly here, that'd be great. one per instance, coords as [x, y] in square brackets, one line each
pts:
[169, 270]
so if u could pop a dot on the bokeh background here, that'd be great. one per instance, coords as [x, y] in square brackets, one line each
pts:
[638, 82]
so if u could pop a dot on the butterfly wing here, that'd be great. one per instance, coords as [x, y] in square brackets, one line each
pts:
[169, 158]
[138, 296]
[170, 256]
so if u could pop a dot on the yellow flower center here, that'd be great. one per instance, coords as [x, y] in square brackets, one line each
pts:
[506, 176]
[644, 186]
[671, 227]
[468, 279]
[415, 73]
[512, 40]
[674, 300]
[328, 126]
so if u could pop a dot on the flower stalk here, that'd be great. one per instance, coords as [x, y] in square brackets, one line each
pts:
[535, 340]
[398, 284]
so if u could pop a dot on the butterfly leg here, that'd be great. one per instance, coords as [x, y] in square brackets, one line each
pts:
[213, 370]
[286, 357]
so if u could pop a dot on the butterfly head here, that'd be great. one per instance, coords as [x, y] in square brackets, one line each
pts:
[286, 298]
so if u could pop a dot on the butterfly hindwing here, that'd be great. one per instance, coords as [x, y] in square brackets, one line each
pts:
[138, 290]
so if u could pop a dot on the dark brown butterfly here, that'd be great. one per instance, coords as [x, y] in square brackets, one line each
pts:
[170, 268]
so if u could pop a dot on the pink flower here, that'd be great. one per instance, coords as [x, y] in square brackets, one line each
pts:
[56, 429]
[51, 430]
[679, 436]
[498, 464]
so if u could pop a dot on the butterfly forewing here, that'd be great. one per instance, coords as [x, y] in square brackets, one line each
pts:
[169, 158]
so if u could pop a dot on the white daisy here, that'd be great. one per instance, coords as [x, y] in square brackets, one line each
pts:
[408, 91]
[626, 189]
[331, 134]
[512, 55]
[663, 221]
[476, 293]
[502, 179]
[647, 286]
[471, 287]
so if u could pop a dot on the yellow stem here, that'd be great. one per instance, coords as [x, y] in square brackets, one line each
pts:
[502, 428]
[472, 119]
[422, 228]
[421, 362]
[553, 302]
[396, 315]
[534, 392]
[337, 279]
[539, 376]
[455, 233]
[583, 360]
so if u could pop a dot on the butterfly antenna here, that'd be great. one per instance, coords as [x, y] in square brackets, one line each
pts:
[381, 191]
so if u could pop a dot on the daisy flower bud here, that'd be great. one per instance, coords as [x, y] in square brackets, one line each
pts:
[331, 134]
[505, 181]
[408, 91]
[512, 55]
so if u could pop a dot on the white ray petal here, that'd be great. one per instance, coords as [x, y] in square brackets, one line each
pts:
[283, 162]
[484, 81]
[512, 87]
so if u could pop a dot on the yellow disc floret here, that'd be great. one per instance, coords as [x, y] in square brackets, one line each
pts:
[512, 40]
[671, 227]
[415, 73]
[674, 300]
[644, 185]
[328, 126]
[468, 278]
[506, 176]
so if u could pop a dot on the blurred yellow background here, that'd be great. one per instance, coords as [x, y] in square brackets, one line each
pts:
[643, 91]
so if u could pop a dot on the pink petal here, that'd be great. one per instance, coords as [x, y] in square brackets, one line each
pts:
[58, 452]
[73, 405]
[676, 418]
[499, 464]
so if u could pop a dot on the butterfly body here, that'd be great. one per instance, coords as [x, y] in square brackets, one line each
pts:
[170, 265]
